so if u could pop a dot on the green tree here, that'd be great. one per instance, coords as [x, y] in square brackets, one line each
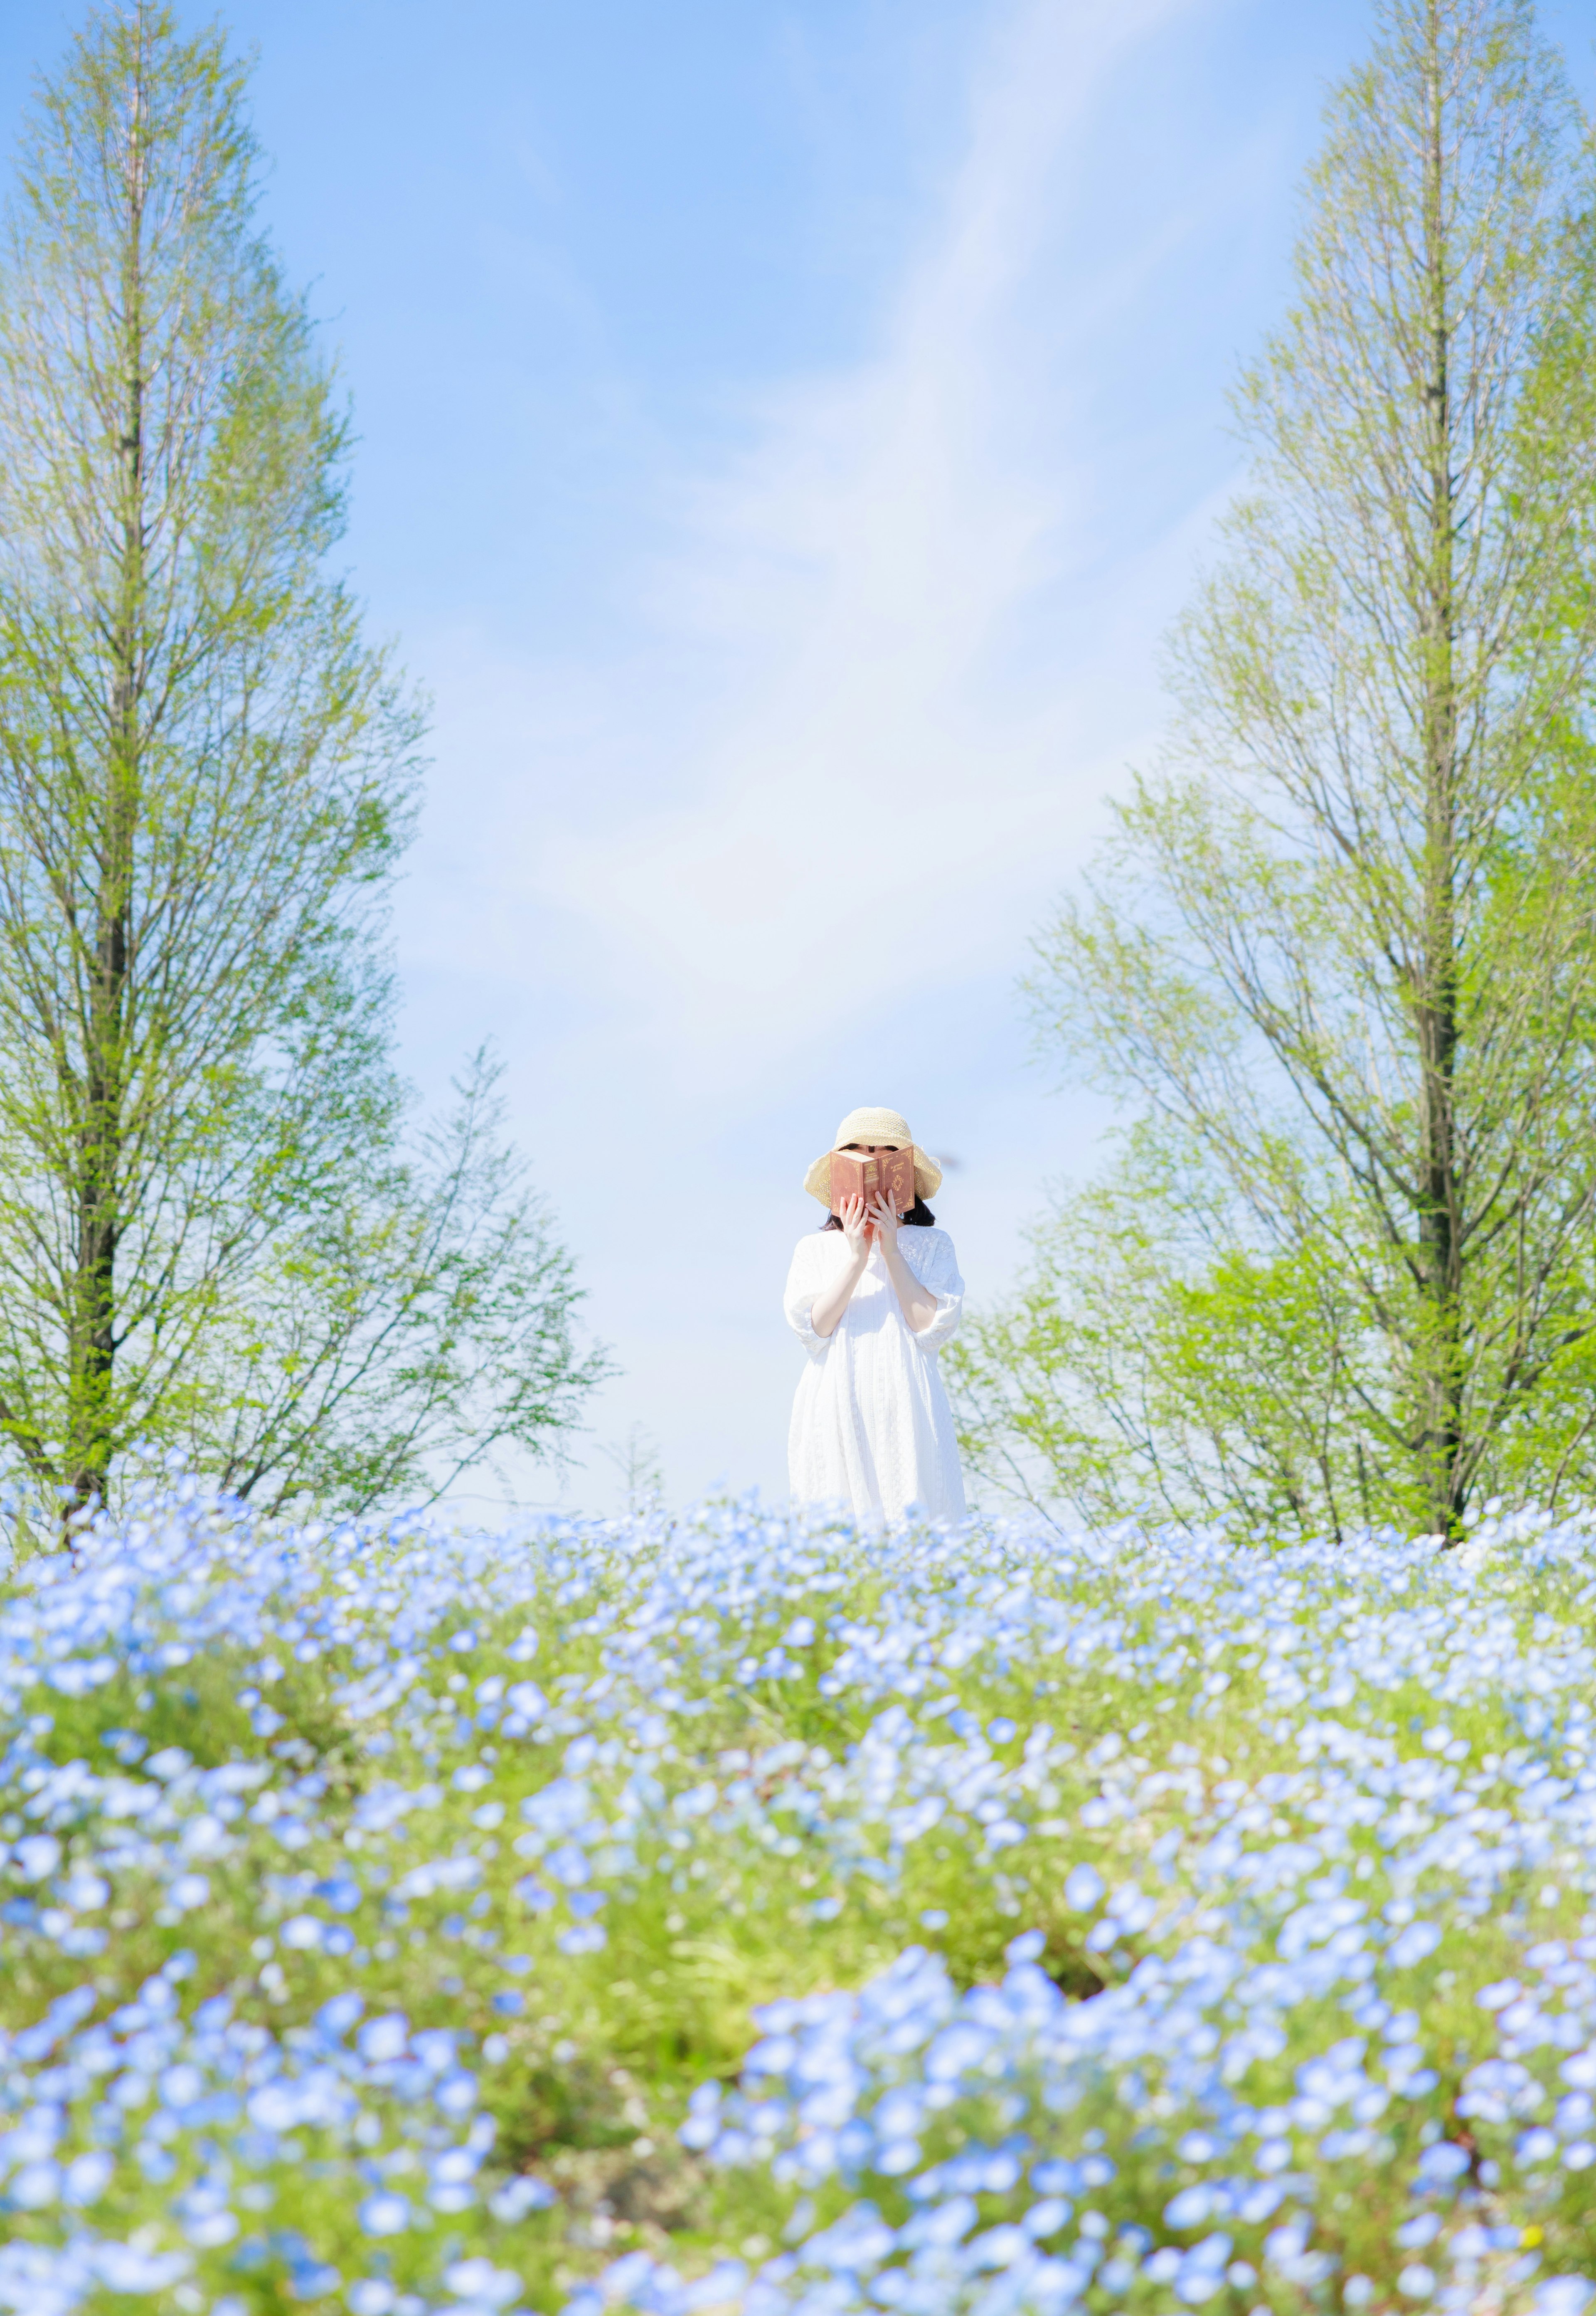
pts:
[214, 1230]
[1341, 948]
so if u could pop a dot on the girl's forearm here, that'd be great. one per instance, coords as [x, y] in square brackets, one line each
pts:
[918, 1303]
[829, 1308]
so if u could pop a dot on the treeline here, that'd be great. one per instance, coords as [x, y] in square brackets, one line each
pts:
[222, 1227]
[1338, 960]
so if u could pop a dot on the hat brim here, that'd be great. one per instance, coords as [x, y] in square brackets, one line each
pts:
[928, 1175]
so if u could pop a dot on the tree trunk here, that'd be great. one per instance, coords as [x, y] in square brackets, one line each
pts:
[93, 1350]
[1441, 1205]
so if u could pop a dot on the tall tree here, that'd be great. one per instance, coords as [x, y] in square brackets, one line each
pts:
[1344, 944]
[211, 1228]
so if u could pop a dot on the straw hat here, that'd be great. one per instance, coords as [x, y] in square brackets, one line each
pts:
[884, 1130]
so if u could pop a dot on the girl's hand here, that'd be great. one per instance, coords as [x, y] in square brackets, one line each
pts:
[855, 1224]
[883, 1221]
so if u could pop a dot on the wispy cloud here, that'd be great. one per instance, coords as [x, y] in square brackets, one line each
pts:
[876, 751]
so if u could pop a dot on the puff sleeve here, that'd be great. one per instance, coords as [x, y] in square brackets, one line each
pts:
[930, 1256]
[804, 1279]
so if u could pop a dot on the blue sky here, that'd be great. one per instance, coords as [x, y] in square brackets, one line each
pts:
[786, 431]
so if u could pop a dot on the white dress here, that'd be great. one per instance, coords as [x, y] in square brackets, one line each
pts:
[871, 1427]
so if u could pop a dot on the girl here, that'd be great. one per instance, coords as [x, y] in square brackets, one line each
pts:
[872, 1301]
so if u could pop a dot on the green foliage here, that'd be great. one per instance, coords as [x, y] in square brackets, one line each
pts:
[1158, 1358]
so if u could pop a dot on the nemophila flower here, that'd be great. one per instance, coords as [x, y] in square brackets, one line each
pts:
[1083, 1888]
[385, 2214]
[583, 1937]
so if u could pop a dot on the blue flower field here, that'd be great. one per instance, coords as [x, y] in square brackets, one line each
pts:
[736, 1913]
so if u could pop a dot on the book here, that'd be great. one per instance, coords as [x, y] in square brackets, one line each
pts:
[889, 1174]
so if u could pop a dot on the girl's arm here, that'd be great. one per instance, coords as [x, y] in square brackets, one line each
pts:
[918, 1304]
[830, 1307]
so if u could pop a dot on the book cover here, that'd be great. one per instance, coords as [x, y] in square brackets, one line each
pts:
[889, 1174]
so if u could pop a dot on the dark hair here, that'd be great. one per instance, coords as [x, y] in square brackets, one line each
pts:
[919, 1214]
